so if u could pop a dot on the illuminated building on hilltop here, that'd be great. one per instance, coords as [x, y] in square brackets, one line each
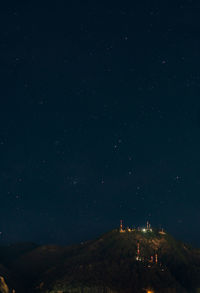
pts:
[122, 229]
[162, 232]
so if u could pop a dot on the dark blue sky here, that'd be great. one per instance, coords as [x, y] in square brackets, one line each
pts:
[99, 118]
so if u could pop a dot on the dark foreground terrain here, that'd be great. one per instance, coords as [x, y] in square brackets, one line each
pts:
[132, 261]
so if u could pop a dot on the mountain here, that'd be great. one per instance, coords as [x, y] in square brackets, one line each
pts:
[129, 261]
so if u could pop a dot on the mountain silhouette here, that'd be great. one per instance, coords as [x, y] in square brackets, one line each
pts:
[144, 260]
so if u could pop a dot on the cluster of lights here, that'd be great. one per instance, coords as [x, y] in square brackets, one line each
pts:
[145, 230]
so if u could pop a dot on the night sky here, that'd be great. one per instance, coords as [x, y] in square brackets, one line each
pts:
[99, 118]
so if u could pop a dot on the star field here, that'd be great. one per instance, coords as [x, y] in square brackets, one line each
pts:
[99, 119]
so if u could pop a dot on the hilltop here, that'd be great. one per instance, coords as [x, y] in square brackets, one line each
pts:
[128, 261]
